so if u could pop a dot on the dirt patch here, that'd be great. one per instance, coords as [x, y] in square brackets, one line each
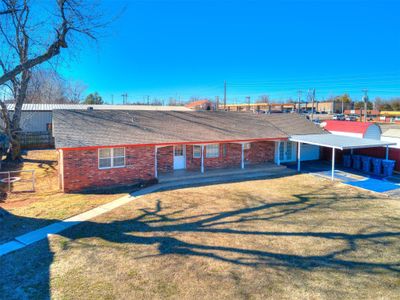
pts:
[26, 211]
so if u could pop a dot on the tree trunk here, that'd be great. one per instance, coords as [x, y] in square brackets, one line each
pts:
[13, 123]
[15, 150]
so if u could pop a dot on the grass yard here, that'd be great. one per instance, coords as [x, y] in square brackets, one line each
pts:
[286, 238]
[32, 210]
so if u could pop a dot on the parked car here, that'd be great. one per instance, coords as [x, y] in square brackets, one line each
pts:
[351, 118]
[339, 117]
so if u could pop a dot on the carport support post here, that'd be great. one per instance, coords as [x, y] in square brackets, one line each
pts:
[298, 156]
[155, 162]
[202, 159]
[387, 152]
[279, 158]
[333, 164]
[242, 162]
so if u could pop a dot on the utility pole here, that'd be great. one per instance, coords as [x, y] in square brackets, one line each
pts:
[225, 95]
[298, 101]
[248, 102]
[342, 105]
[124, 98]
[216, 102]
[365, 100]
[112, 99]
[312, 106]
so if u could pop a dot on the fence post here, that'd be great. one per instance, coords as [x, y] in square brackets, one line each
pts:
[9, 181]
[33, 180]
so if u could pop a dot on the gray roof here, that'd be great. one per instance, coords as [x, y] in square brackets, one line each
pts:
[338, 141]
[84, 128]
[52, 106]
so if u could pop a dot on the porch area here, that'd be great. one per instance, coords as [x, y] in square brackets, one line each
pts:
[265, 170]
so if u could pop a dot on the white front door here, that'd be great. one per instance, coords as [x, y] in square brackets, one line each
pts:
[179, 157]
[287, 151]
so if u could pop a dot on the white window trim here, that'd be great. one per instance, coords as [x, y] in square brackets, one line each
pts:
[224, 151]
[213, 156]
[247, 146]
[199, 155]
[112, 158]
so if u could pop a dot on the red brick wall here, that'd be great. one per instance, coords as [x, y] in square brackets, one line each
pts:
[231, 159]
[260, 152]
[165, 159]
[80, 169]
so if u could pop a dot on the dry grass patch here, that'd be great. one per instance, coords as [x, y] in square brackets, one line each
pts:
[32, 210]
[287, 238]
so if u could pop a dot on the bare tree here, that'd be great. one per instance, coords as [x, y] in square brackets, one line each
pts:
[263, 99]
[47, 86]
[30, 35]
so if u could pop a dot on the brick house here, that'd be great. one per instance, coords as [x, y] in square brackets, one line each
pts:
[111, 148]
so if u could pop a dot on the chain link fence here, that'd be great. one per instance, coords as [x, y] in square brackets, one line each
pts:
[31, 140]
[18, 181]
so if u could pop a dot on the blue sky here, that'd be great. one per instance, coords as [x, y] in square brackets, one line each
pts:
[188, 48]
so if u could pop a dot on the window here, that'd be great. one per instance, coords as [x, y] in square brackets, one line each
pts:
[178, 150]
[111, 158]
[196, 151]
[246, 146]
[212, 150]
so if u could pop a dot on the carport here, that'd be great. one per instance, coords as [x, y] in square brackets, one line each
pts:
[334, 142]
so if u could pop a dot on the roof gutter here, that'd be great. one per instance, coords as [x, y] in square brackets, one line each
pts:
[173, 143]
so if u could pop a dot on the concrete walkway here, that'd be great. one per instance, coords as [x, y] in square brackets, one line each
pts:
[42, 233]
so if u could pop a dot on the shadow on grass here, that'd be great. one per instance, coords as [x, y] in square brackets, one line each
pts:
[27, 271]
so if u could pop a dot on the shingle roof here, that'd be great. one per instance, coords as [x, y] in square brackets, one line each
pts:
[83, 128]
[53, 106]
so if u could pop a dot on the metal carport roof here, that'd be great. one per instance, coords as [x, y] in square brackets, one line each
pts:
[334, 141]
[338, 141]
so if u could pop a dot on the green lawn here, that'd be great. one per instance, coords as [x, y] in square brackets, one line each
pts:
[285, 238]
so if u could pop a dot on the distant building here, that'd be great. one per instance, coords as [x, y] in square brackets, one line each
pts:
[371, 113]
[329, 107]
[257, 107]
[201, 105]
[389, 116]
